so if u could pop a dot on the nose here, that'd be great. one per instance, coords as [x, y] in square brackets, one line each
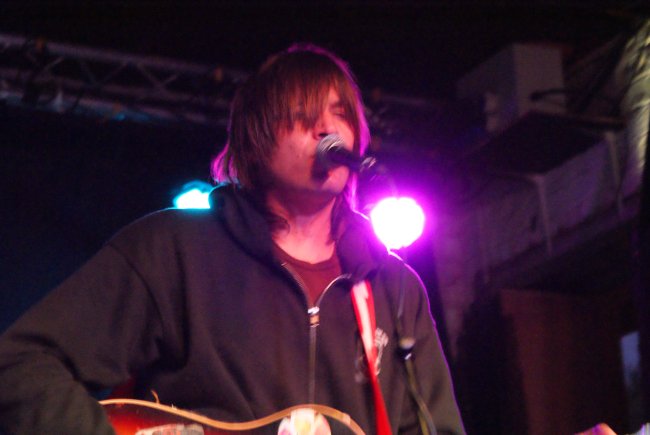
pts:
[325, 124]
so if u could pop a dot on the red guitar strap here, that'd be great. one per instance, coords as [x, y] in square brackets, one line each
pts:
[364, 309]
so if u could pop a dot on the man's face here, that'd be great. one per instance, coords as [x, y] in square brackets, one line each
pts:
[294, 168]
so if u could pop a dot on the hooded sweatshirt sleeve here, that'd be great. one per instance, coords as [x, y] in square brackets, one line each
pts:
[90, 333]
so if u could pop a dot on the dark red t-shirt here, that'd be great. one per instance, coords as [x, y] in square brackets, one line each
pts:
[314, 277]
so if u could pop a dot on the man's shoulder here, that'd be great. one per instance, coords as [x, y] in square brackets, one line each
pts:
[173, 218]
[180, 218]
[168, 225]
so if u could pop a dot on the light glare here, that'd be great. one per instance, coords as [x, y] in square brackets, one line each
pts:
[397, 222]
[194, 195]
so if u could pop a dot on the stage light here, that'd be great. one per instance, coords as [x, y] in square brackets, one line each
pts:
[193, 195]
[397, 222]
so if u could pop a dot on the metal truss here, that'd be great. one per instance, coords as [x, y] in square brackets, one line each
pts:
[45, 75]
[39, 74]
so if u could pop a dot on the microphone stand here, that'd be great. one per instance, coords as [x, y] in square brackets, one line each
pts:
[405, 346]
[331, 152]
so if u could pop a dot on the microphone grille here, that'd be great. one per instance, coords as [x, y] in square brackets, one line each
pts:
[329, 141]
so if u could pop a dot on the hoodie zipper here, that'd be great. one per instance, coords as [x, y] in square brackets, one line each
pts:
[313, 313]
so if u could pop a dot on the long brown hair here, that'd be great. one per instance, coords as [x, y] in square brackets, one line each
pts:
[300, 76]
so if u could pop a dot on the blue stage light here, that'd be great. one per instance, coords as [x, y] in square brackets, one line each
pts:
[194, 195]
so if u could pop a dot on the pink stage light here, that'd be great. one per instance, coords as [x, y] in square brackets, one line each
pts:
[397, 222]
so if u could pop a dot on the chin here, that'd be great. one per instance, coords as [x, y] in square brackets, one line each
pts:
[337, 179]
[333, 188]
[326, 190]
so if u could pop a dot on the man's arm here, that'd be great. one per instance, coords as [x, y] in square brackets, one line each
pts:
[87, 334]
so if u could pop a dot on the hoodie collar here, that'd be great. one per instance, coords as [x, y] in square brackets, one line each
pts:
[359, 251]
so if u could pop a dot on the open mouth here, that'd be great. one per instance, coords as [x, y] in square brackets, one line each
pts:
[320, 172]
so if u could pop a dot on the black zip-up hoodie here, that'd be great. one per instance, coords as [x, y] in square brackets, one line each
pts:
[193, 305]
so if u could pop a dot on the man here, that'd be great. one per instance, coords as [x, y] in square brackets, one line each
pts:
[245, 309]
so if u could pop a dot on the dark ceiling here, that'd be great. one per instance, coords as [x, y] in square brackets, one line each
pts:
[403, 47]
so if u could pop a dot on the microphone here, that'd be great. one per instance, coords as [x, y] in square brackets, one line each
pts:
[331, 152]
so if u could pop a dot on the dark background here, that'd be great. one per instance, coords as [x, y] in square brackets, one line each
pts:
[407, 47]
[69, 181]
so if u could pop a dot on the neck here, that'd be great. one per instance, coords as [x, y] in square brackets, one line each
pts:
[308, 233]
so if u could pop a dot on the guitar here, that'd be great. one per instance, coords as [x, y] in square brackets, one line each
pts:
[139, 417]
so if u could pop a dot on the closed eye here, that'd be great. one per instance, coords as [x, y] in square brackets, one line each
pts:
[338, 110]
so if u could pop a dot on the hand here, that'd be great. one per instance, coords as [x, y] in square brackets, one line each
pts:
[599, 429]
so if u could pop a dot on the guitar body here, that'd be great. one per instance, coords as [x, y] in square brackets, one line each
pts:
[139, 417]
